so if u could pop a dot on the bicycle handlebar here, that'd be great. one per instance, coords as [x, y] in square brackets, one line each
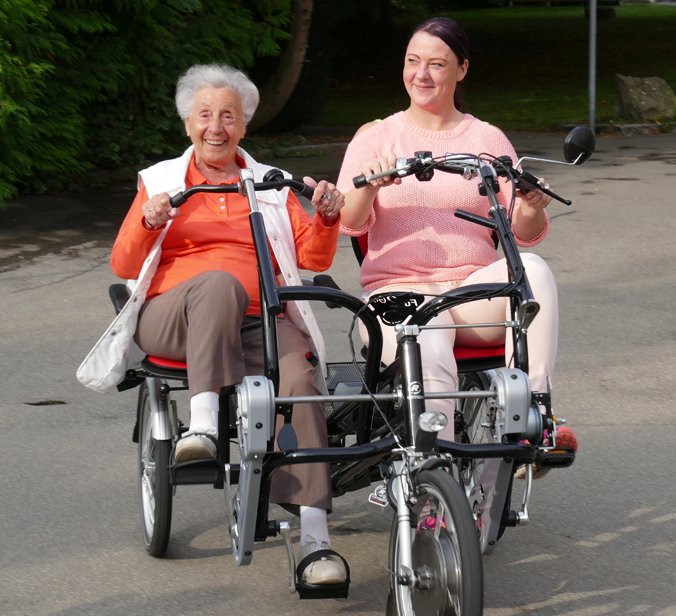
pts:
[273, 180]
[422, 165]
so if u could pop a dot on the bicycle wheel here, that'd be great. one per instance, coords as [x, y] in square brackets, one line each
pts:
[445, 552]
[473, 424]
[155, 492]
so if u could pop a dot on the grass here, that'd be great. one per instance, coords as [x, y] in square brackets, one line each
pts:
[529, 68]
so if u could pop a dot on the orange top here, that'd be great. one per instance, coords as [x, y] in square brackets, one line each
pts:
[212, 232]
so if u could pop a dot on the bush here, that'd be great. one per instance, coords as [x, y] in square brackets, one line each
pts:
[89, 84]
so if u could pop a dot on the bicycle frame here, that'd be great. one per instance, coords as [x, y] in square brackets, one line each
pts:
[258, 463]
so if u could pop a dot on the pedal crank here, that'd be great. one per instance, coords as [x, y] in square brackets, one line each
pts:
[255, 428]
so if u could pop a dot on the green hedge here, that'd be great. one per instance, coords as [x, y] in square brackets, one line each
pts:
[89, 84]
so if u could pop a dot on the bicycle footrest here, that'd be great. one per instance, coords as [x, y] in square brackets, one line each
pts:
[196, 472]
[554, 458]
[323, 591]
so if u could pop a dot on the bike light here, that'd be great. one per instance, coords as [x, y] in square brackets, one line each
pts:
[432, 421]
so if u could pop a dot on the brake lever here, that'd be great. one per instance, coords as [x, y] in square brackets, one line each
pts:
[526, 182]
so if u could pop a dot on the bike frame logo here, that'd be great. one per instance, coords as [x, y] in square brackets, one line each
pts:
[415, 389]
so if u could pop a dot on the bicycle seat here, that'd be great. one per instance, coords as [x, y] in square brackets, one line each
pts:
[166, 368]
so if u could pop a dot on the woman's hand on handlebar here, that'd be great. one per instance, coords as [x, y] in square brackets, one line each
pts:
[385, 162]
[326, 199]
[535, 198]
[157, 211]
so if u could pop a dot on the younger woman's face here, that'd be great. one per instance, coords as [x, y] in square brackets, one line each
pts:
[431, 72]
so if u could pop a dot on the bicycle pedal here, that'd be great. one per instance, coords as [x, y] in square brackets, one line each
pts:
[554, 458]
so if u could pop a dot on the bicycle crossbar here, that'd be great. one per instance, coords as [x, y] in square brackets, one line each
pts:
[504, 324]
[393, 396]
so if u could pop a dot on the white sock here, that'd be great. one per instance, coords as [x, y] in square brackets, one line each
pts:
[314, 525]
[204, 412]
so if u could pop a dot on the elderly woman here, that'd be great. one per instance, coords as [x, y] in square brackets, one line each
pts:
[203, 305]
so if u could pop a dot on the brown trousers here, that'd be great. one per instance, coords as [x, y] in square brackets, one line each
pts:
[202, 322]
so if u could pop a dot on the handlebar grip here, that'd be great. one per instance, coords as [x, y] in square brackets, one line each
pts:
[399, 172]
[305, 190]
[275, 175]
[177, 200]
[359, 181]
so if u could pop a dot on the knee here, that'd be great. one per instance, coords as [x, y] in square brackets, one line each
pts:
[297, 376]
[222, 289]
[539, 273]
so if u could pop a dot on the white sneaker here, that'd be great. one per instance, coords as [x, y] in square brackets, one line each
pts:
[196, 446]
[327, 569]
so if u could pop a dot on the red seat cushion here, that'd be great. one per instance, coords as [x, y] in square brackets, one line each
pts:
[167, 363]
[478, 352]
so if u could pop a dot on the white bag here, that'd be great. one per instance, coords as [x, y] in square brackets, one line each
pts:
[115, 352]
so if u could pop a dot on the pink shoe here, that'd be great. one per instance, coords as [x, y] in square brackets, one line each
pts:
[565, 438]
[566, 441]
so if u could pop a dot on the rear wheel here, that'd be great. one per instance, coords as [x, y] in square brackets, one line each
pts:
[446, 559]
[474, 424]
[155, 492]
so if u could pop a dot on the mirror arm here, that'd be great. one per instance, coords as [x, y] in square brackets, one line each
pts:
[545, 160]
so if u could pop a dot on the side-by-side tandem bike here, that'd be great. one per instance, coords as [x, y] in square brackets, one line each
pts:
[451, 501]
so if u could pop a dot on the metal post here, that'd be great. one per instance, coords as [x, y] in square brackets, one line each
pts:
[592, 65]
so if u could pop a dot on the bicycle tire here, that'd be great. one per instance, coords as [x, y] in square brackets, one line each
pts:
[471, 417]
[155, 491]
[446, 558]
[476, 424]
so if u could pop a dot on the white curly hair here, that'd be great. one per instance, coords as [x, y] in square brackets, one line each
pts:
[215, 76]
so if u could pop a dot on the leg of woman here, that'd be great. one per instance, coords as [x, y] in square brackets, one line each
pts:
[297, 484]
[199, 321]
[304, 489]
[543, 331]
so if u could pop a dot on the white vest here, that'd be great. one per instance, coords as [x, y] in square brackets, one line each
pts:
[105, 366]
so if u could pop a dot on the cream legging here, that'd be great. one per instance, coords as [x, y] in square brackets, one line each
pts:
[439, 367]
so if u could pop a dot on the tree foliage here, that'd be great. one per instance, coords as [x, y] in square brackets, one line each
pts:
[89, 83]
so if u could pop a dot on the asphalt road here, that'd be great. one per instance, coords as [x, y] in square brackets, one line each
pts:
[602, 533]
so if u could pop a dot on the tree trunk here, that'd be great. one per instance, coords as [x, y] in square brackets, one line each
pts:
[277, 91]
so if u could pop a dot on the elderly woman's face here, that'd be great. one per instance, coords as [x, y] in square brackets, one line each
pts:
[215, 126]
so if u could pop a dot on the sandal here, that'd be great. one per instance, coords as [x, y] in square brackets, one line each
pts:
[319, 565]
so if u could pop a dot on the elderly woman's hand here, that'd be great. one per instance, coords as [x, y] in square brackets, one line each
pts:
[157, 211]
[327, 200]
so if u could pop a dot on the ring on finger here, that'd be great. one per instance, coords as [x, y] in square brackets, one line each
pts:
[326, 197]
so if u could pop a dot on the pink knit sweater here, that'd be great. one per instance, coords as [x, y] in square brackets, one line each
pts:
[413, 235]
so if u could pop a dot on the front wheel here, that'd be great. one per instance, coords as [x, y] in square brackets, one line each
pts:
[155, 492]
[447, 575]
